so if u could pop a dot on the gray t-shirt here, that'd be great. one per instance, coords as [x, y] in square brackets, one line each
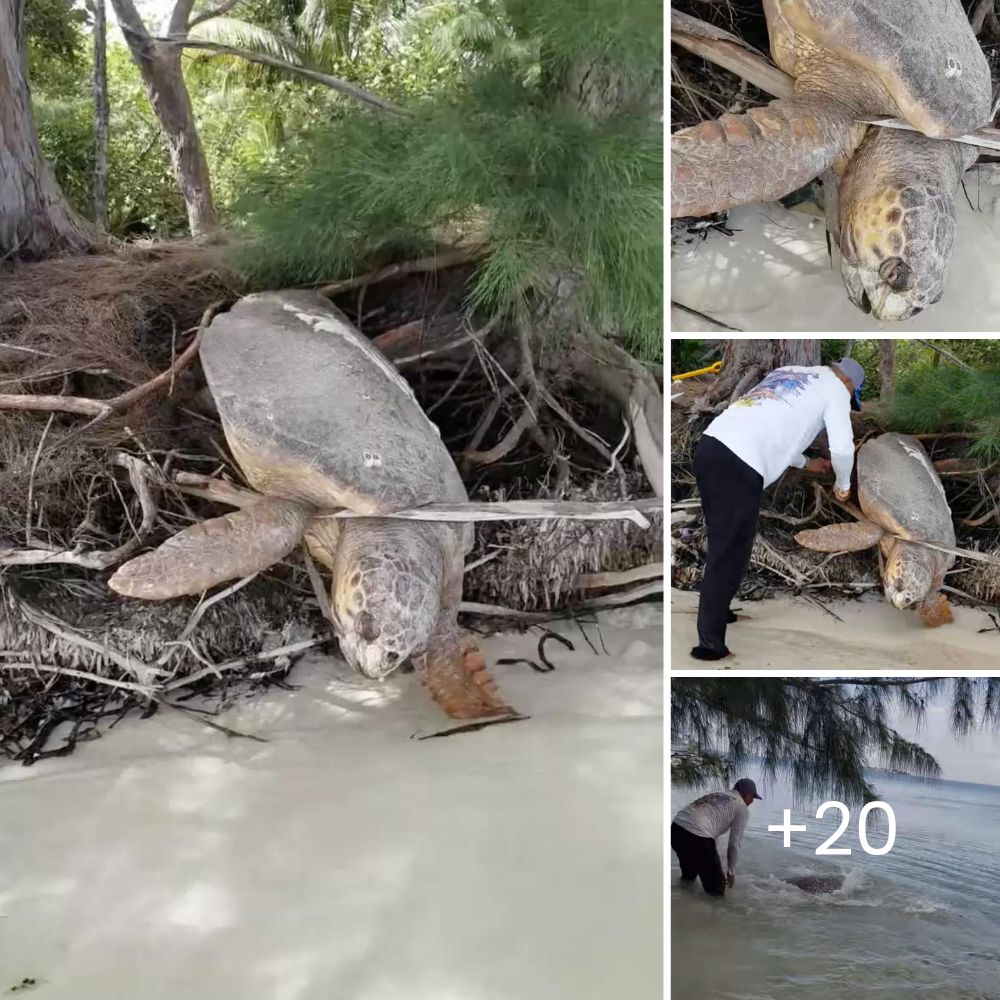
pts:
[712, 815]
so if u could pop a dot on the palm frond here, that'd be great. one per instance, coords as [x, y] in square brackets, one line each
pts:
[244, 35]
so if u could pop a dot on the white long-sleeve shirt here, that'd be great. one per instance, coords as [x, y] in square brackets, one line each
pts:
[712, 815]
[771, 426]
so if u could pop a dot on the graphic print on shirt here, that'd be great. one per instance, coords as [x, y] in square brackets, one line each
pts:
[778, 384]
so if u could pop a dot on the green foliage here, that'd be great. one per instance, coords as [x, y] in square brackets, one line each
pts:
[324, 188]
[690, 355]
[827, 732]
[948, 398]
[556, 190]
[54, 37]
[143, 197]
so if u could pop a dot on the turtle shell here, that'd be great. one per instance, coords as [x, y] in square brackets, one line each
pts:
[900, 491]
[313, 411]
[924, 52]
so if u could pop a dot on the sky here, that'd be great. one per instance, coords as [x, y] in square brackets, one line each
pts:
[972, 758]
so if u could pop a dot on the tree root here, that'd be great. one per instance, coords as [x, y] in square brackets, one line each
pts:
[435, 262]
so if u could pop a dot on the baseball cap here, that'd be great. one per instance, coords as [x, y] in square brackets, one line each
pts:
[856, 374]
[745, 786]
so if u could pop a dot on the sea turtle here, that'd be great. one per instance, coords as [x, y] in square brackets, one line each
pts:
[901, 497]
[913, 59]
[817, 885]
[318, 419]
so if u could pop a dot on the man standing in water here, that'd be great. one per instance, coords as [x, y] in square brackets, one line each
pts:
[748, 447]
[695, 828]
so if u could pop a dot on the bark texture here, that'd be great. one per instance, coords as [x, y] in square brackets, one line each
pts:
[160, 67]
[101, 114]
[887, 368]
[35, 219]
[746, 362]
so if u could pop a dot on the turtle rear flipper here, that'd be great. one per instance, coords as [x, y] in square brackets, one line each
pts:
[759, 156]
[841, 537]
[225, 548]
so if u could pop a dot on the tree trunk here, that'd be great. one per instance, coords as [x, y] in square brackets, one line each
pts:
[887, 368]
[172, 106]
[101, 115]
[160, 67]
[35, 220]
[746, 362]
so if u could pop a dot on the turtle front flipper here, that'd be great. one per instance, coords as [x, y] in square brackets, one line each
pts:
[454, 672]
[225, 548]
[851, 537]
[935, 610]
[758, 156]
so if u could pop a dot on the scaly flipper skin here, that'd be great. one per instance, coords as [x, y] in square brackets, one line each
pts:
[224, 548]
[935, 610]
[759, 156]
[841, 537]
[454, 673]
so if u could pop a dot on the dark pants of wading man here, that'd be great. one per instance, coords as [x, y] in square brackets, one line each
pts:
[699, 858]
[731, 492]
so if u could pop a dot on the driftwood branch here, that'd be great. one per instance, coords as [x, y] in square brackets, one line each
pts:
[210, 488]
[525, 510]
[506, 444]
[435, 262]
[142, 478]
[597, 581]
[811, 516]
[216, 669]
[729, 52]
[83, 675]
[101, 409]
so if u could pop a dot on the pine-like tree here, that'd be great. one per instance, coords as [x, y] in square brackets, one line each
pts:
[827, 732]
[551, 148]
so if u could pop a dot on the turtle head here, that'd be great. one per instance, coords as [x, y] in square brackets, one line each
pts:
[909, 574]
[894, 250]
[897, 222]
[386, 599]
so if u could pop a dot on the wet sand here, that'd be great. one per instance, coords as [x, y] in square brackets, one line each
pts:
[790, 632]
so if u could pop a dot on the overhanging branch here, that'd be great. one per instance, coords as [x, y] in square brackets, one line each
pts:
[333, 82]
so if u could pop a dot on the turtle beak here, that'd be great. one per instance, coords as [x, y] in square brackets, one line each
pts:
[900, 600]
[366, 654]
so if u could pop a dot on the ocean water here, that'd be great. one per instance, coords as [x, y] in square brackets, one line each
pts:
[920, 922]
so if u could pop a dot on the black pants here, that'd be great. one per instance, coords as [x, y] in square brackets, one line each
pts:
[730, 497]
[699, 858]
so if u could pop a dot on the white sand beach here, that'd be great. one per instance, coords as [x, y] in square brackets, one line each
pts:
[774, 273]
[344, 859]
[790, 632]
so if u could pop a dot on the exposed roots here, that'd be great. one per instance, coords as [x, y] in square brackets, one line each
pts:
[83, 487]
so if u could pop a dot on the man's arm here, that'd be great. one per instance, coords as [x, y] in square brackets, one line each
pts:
[840, 435]
[736, 838]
